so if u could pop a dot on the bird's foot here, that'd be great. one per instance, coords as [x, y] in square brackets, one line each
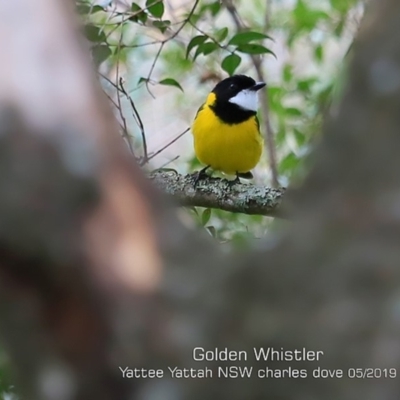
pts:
[198, 176]
[234, 182]
[245, 175]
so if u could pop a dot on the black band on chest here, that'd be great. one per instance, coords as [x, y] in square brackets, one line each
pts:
[231, 113]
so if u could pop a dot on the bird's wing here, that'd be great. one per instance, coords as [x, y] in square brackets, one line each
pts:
[200, 108]
[258, 125]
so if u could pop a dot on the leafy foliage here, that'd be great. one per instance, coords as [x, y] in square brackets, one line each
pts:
[171, 82]
[205, 42]
[231, 63]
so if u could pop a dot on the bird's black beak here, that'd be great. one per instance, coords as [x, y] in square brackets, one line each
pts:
[258, 86]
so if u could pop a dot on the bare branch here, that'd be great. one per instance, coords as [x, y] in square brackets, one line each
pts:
[269, 132]
[167, 145]
[152, 67]
[125, 130]
[138, 120]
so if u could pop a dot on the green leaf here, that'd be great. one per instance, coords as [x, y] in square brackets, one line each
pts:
[299, 136]
[230, 63]
[205, 217]
[307, 18]
[221, 34]
[339, 28]
[155, 8]
[100, 53]
[162, 25]
[195, 42]
[170, 82]
[294, 112]
[135, 8]
[275, 95]
[96, 9]
[205, 48]
[215, 7]
[287, 73]
[95, 34]
[319, 53]
[83, 8]
[246, 37]
[139, 13]
[289, 163]
[194, 19]
[141, 80]
[254, 49]
[342, 5]
[212, 231]
[280, 137]
[194, 209]
[305, 84]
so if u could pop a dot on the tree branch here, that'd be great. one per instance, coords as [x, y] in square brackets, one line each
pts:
[217, 193]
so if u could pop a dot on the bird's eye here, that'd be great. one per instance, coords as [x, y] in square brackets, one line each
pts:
[233, 86]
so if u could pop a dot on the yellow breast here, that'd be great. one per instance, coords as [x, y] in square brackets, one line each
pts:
[229, 148]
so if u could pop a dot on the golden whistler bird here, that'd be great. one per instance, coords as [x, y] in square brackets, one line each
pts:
[226, 130]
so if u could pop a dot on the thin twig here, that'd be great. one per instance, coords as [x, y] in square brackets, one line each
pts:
[211, 38]
[270, 135]
[120, 88]
[163, 42]
[111, 100]
[125, 131]
[138, 120]
[268, 6]
[108, 80]
[115, 105]
[135, 113]
[168, 162]
[152, 68]
[109, 17]
[168, 144]
[186, 20]
[130, 15]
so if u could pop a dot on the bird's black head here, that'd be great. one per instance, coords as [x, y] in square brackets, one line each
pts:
[231, 86]
[236, 98]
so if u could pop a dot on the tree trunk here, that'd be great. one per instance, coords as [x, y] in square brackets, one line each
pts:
[98, 271]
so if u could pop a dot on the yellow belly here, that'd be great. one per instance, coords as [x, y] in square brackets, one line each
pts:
[226, 148]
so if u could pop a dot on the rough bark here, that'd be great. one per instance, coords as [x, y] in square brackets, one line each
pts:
[97, 271]
[218, 193]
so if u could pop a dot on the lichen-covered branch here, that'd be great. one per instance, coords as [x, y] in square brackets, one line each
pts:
[219, 193]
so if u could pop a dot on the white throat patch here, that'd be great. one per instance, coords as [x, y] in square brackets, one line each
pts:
[246, 99]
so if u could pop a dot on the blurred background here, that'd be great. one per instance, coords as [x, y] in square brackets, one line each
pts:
[303, 60]
[148, 47]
